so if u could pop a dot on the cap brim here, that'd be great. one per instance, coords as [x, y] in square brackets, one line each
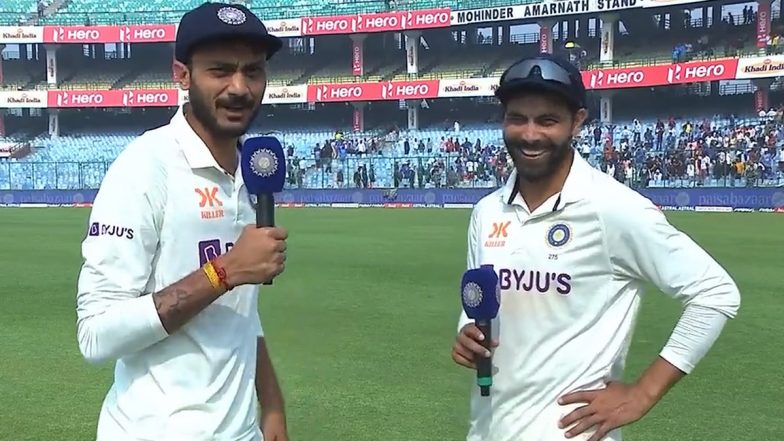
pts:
[506, 92]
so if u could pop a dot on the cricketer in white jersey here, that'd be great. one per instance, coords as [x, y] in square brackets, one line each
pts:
[572, 248]
[172, 260]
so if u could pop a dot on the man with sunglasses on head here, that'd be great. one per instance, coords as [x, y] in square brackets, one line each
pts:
[573, 248]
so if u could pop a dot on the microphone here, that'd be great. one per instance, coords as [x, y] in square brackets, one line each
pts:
[263, 171]
[481, 296]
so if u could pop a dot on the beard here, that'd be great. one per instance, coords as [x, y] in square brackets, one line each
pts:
[206, 114]
[545, 164]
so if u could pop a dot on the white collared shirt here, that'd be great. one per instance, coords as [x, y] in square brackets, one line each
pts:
[164, 207]
[572, 275]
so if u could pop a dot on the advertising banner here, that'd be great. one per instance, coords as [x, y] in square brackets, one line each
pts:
[21, 99]
[693, 199]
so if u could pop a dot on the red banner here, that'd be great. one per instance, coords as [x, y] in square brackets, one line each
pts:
[112, 98]
[763, 23]
[110, 34]
[545, 38]
[390, 90]
[358, 123]
[662, 75]
[761, 100]
[382, 22]
[357, 57]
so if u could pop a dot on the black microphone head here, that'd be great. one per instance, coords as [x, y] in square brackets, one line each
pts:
[481, 293]
[263, 165]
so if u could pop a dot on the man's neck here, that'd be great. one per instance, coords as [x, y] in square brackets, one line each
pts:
[224, 150]
[537, 192]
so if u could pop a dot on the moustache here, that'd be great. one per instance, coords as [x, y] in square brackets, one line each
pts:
[234, 102]
[522, 145]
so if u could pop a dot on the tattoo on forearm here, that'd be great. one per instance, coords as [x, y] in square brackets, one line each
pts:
[171, 304]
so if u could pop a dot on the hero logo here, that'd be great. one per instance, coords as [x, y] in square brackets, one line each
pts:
[131, 98]
[620, 79]
[65, 99]
[326, 93]
[678, 73]
[60, 34]
[381, 22]
[331, 25]
[428, 19]
[146, 34]
[128, 98]
[402, 91]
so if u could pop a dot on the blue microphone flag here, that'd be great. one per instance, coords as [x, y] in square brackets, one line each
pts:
[481, 293]
[263, 165]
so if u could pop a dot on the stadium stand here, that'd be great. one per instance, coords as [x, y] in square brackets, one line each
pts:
[683, 151]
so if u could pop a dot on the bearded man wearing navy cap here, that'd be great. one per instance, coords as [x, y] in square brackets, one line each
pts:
[573, 249]
[173, 261]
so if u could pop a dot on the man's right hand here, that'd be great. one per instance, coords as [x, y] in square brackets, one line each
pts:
[257, 256]
[468, 346]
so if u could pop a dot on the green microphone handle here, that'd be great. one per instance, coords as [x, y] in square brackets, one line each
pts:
[484, 365]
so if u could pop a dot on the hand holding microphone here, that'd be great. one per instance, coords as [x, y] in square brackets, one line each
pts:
[259, 254]
[480, 294]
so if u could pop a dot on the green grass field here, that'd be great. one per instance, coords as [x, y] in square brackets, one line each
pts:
[361, 325]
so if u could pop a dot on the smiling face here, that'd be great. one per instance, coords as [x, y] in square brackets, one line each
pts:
[226, 81]
[538, 129]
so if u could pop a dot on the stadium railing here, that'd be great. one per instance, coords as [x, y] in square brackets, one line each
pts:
[28, 175]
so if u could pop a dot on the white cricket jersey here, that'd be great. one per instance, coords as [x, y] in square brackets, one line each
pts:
[163, 209]
[571, 276]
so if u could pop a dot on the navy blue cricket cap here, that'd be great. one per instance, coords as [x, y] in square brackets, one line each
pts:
[217, 21]
[543, 72]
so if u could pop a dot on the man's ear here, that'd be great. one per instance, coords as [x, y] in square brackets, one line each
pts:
[579, 118]
[181, 75]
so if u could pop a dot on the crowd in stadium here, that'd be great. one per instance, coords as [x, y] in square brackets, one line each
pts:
[715, 151]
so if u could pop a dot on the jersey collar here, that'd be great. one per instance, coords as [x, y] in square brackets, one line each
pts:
[196, 152]
[573, 190]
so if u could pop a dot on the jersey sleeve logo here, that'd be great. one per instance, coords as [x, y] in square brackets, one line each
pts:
[559, 235]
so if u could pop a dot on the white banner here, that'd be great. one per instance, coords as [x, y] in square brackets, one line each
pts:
[284, 28]
[29, 98]
[760, 67]
[286, 94]
[467, 87]
[541, 10]
[51, 66]
[555, 8]
[21, 34]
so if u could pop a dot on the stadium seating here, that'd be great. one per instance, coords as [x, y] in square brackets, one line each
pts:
[80, 12]
[79, 161]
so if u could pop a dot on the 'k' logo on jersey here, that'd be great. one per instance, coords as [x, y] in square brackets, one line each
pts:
[209, 203]
[498, 235]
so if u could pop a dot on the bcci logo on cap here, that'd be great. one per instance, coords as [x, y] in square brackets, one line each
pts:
[559, 235]
[231, 15]
[472, 295]
[264, 163]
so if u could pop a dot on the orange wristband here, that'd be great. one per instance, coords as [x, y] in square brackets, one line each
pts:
[212, 274]
[221, 274]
